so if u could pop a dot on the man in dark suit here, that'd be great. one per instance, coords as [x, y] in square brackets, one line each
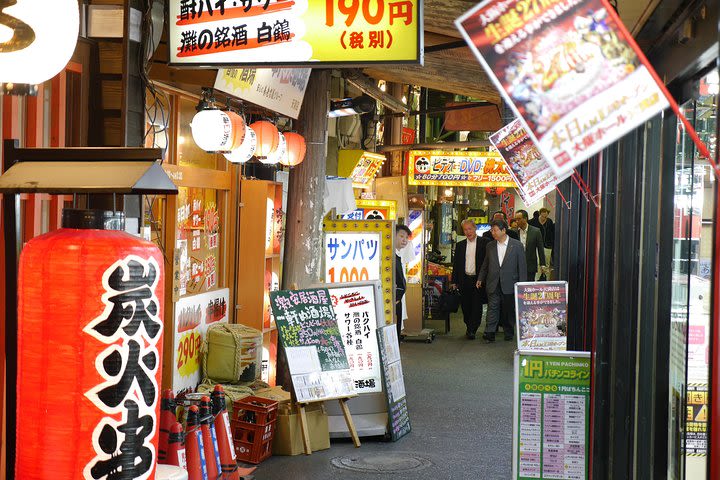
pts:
[532, 241]
[500, 215]
[402, 236]
[469, 255]
[503, 267]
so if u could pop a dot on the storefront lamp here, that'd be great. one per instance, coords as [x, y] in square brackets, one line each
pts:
[37, 39]
[267, 138]
[276, 155]
[246, 150]
[296, 149]
[216, 131]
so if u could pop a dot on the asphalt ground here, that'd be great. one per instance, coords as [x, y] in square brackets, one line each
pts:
[459, 395]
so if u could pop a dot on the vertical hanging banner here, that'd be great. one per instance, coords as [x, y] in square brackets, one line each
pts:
[507, 201]
[294, 32]
[570, 71]
[534, 177]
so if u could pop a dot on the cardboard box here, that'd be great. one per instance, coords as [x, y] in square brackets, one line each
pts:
[288, 435]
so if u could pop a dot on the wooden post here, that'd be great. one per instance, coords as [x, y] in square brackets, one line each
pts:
[349, 422]
[304, 429]
[303, 231]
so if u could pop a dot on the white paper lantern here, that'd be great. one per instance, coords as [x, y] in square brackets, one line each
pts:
[246, 150]
[275, 156]
[217, 131]
[40, 42]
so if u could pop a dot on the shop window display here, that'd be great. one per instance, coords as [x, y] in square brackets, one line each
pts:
[693, 220]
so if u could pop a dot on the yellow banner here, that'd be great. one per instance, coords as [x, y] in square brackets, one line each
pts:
[295, 32]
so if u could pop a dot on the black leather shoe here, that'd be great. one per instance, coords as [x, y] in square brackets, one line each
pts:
[509, 338]
[488, 338]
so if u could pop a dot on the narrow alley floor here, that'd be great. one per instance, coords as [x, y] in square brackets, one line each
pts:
[459, 395]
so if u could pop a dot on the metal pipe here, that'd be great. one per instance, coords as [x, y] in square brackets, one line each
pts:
[431, 111]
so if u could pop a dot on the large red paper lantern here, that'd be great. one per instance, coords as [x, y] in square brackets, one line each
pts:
[90, 310]
[296, 149]
[267, 138]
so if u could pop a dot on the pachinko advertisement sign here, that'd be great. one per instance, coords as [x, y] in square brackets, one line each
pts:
[459, 169]
[294, 32]
[570, 71]
[531, 172]
[541, 310]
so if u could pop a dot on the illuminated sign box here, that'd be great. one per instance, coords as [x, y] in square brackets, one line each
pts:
[373, 210]
[295, 32]
[458, 169]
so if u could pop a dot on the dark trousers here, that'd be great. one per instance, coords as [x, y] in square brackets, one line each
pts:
[398, 316]
[501, 309]
[471, 303]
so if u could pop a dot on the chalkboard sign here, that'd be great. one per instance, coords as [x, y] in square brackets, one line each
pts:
[398, 418]
[308, 330]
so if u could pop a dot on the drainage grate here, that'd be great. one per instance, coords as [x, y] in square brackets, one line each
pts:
[381, 462]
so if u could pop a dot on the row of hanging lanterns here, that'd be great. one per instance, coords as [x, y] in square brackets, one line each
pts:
[225, 131]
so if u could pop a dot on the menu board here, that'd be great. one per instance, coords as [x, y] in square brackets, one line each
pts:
[541, 314]
[398, 418]
[193, 316]
[551, 416]
[308, 329]
[356, 310]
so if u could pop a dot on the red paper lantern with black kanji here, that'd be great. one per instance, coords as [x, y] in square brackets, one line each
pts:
[90, 310]
[296, 149]
[267, 138]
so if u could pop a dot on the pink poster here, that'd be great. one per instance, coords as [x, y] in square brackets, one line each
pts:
[570, 71]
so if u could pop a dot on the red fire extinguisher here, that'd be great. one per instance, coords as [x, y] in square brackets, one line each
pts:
[228, 460]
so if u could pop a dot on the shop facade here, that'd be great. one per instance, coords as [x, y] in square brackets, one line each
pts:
[641, 261]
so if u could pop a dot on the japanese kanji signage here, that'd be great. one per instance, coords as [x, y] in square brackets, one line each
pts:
[356, 312]
[398, 417]
[459, 169]
[541, 313]
[308, 329]
[568, 68]
[372, 210]
[360, 166]
[696, 420]
[359, 251]
[131, 327]
[525, 163]
[551, 416]
[193, 316]
[295, 32]
[278, 89]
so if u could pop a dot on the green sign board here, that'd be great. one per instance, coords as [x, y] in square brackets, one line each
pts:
[552, 408]
[309, 333]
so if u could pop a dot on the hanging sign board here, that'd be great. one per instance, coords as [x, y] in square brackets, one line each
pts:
[416, 224]
[541, 315]
[373, 210]
[278, 89]
[551, 415]
[398, 418]
[193, 316]
[294, 32]
[358, 251]
[308, 330]
[357, 314]
[525, 163]
[569, 69]
[458, 169]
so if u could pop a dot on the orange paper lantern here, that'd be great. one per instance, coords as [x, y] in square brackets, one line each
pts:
[90, 317]
[296, 149]
[267, 138]
[217, 130]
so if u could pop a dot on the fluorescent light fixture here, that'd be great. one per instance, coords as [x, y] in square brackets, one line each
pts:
[351, 106]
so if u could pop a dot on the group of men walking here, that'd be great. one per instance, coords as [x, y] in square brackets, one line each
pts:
[486, 269]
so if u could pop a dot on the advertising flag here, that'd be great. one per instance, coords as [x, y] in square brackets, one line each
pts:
[570, 71]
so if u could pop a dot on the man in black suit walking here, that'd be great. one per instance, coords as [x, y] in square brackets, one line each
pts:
[402, 236]
[532, 241]
[503, 267]
[469, 255]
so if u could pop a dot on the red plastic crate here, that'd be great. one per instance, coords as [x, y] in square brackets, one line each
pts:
[255, 410]
[253, 442]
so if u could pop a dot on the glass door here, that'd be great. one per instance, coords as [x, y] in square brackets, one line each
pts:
[693, 220]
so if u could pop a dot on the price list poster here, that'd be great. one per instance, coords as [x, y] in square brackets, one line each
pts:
[551, 411]
[308, 330]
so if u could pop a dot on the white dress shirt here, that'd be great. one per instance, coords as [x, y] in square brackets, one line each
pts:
[523, 237]
[502, 248]
[470, 267]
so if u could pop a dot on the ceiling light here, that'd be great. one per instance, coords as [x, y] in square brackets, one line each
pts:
[351, 106]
